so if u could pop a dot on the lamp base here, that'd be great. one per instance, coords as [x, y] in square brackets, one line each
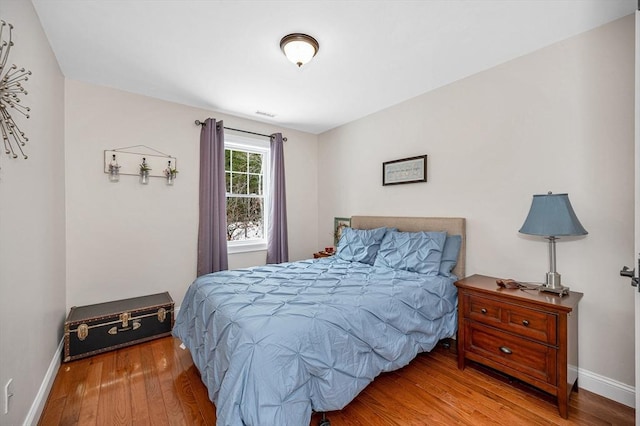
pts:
[553, 285]
[561, 290]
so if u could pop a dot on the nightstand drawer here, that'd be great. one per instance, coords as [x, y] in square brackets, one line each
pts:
[526, 322]
[532, 359]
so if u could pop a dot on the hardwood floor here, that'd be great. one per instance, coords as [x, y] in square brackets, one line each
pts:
[156, 383]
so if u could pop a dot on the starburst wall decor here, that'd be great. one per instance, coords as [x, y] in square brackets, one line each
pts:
[11, 80]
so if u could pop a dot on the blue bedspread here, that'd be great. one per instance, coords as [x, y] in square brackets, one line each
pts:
[275, 342]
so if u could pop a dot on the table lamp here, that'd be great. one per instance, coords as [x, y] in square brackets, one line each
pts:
[552, 216]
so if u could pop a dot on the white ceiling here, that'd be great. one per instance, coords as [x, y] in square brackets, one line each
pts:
[225, 55]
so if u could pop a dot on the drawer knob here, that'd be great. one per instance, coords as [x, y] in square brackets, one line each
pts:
[525, 323]
[483, 310]
[505, 350]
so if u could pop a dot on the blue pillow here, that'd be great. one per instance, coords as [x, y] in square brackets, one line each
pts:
[412, 251]
[450, 254]
[360, 245]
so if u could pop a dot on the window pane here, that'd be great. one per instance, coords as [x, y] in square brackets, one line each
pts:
[255, 163]
[227, 178]
[235, 216]
[227, 159]
[254, 185]
[239, 183]
[239, 161]
[244, 219]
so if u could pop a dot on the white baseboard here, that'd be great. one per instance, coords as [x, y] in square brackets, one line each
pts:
[609, 388]
[41, 397]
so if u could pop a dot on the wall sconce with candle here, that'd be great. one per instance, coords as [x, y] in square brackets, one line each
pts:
[170, 173]
[144, 171]
[114, 170]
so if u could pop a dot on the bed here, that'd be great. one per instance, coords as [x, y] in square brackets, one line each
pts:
[274, 343]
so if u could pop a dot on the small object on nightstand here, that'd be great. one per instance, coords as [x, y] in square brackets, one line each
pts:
[322, 254]
[327, 252]
[511, 284]
[508, 283]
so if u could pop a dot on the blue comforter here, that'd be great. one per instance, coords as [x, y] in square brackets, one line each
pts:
[275, 342]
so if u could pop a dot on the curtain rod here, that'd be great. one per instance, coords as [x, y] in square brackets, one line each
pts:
[202, 123]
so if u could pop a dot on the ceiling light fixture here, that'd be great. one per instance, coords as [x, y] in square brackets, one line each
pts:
[299, 48]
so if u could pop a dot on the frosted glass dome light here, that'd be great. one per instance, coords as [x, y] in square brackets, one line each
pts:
[299, 48]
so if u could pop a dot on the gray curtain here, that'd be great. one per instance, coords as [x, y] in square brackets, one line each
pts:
[212, 230]
[278, 245]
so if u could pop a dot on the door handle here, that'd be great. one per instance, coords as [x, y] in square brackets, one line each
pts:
[626, 272]
[630, 273]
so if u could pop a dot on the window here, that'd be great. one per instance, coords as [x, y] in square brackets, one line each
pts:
[246, 175]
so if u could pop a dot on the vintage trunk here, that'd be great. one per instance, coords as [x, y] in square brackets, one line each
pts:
[102, 327]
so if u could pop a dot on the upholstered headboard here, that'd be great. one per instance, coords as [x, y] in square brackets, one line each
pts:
[453, 226]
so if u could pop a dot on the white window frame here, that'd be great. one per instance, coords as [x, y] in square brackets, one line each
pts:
[262, 147]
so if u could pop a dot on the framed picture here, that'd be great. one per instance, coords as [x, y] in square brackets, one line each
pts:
[406, 170]
[339, 223]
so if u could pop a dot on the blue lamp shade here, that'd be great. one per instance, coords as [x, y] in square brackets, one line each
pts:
[551, 215]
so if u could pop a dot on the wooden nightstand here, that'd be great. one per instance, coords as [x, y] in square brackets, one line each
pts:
[529, 335]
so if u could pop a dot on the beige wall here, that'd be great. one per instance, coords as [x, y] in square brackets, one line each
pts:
[559, 119]
[32, 234]
[125, 239]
